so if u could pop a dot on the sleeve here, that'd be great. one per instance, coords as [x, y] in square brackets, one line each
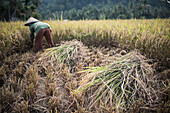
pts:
[32, 35]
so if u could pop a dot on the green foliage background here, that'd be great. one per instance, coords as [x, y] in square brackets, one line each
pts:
[104, 9]
[85, 9]
[19, 9]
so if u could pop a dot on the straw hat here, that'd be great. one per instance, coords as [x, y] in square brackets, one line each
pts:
[31, 20]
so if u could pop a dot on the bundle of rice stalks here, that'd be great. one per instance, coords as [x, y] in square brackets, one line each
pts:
[67, 53]
[118, 86]
[59, 64]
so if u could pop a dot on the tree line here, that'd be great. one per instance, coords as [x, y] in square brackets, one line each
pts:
[18, 9]
[105, 9]
[84, 9]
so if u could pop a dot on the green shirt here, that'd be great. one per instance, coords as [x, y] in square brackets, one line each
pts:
[36, 27]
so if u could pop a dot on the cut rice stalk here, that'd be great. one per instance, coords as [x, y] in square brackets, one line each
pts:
[122, 78]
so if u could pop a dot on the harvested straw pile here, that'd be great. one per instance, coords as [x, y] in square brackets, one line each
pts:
[126, 84]
[68, 53]
[55, 81]
[57, 66]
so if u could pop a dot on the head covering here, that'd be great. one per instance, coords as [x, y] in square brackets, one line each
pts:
[31, 20]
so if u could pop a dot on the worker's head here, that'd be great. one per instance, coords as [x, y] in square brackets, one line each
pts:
[30, 21]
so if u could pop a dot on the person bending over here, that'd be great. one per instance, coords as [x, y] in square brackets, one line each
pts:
[40, 29]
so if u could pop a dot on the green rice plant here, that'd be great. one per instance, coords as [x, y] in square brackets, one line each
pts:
[119, 84]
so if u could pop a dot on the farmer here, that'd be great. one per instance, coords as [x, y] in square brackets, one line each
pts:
[40, 29]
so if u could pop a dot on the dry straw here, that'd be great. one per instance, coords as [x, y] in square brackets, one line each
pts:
[118, 85]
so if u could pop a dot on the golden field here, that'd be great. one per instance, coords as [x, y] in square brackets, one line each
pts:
[106, 66]
[151, 37]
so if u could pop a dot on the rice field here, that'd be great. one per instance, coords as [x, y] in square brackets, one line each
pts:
[96, 66]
